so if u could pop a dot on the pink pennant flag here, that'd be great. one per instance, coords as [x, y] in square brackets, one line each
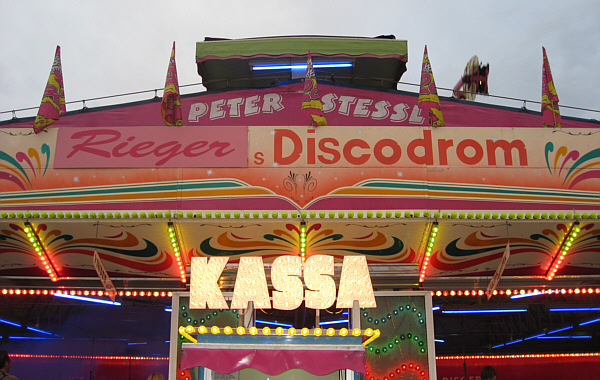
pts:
[171, 102]
[311, 100]
[428, 98]
[550, 111]
[53, 101]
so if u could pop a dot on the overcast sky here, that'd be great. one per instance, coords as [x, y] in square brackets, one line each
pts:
[115, 47]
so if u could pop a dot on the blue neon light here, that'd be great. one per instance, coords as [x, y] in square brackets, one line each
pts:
[435, 308]
[300, 66]
[559, 330]
[168, 309]
[575, 309]
[517, 296]
[30, 338]
[589, 322]
[499, 345]
[9, 322]
[475, 311]
[439, 341]
[535, 336]
[136, 344]
[273, 323]
[38, 330]
[87, 299]
[334, 322]
[566, 337]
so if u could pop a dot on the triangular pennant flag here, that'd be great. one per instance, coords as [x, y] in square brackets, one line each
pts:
[428, 98]
[311, 100]
[53, 101]
[171, 102]
[550, 111]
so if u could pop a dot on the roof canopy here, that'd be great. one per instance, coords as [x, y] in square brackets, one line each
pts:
[376, 62]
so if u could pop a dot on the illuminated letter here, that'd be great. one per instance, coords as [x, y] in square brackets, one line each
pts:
[250, 285]
[320, 293]
[289, 290]
[355, 284]
[203, 287]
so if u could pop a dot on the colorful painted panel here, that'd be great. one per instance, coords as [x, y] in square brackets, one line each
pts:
[403, 349]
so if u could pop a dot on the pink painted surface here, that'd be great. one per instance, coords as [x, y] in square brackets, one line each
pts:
[281, 106]
[273, 362]
[156, 147]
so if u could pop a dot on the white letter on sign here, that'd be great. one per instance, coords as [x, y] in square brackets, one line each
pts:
[204, 286]
[318, 270]
[251, 285]
[289, 290]
[355, 284]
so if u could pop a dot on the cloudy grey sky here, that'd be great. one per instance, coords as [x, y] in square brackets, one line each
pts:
[115, 47]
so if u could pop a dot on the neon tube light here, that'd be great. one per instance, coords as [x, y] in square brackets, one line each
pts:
[566, 337]
[475, 311]
[559, 330]
[300, 66]
[176, 250]
[273, 323]
[87, 299]
[439, 340]
[10, 323]
[428, 251]
[562, 251]
[517, 296]
[334, 322]
[435, 308]
[38, 330]
[168, 309]
[575, 309]
[589, 322]
[36, 242]
[302, 242]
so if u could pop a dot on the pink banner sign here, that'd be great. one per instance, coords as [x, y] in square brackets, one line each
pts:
[143, 147]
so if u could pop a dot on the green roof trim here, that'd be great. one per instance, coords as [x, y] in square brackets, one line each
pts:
[299, 46]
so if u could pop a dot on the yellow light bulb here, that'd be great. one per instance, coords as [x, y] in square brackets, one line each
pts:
[279, 331]
[253, 330]
[240, 330]
[304, 331]
[266, 331]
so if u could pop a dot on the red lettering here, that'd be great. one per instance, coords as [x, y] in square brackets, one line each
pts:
[426, 144]
[443, 146]
[136, 151]
[259, 158]
[507, 147]
[462, 155]
[189, 150]
[221, 148]
[91, 135]
[116, 149]
[171, 149]
[335, 155]
[354, 160]
[280, 134]
[378, 151]
[310, 149]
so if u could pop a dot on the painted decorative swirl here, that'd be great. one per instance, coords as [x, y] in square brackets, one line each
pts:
[375, 245]
[22, 167]
[579, 170]
[124, 251]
